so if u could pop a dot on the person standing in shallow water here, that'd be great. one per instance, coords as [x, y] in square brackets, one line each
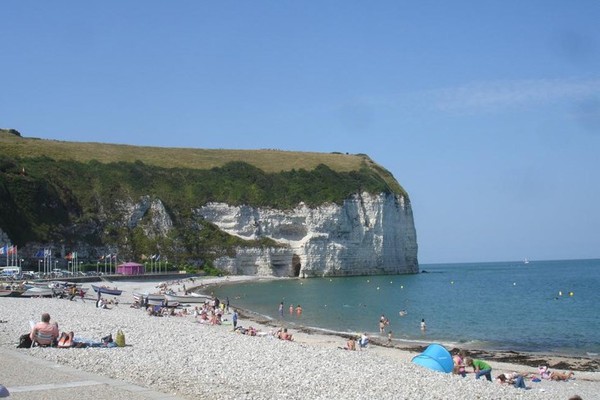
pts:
[423, 326]
[281, 310]
[299, 310]
[291, 309]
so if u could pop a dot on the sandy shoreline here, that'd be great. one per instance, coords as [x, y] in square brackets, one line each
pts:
[178, 355]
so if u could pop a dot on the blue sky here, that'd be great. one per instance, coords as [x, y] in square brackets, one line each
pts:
[487, 112]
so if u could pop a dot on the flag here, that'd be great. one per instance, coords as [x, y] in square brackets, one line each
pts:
[47, 252]
[12, 250]
[114, 256]
[40, 253]
[3, 249]
[158, 257]
[153, 256]
[144, 257]
[69, 256]
[101, 258]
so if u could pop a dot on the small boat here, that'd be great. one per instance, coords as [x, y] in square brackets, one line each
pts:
[140, 297]
[11, 292]
[38, 292]
[187, 299]
[105, 290]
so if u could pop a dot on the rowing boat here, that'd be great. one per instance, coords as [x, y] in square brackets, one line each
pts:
[105, 290]
[188, 299]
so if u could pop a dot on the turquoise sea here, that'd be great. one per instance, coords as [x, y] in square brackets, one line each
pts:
[540, 306]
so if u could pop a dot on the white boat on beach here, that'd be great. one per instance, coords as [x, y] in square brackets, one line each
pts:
[188, 299]
[38, 292]
[150, 298]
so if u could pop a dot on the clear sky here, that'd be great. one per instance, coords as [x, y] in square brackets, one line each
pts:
[487, 112]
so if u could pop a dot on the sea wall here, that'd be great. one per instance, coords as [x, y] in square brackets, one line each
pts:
[367, 235]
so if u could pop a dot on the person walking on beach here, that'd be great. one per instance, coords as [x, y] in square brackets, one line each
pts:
[480, 368]
[234, 318]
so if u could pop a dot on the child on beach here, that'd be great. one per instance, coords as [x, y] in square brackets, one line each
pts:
[459, 365]
[481, 368]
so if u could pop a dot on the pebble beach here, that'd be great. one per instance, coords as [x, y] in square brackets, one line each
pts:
[177, 355]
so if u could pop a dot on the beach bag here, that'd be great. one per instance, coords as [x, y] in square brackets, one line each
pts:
[24, 341]
[120, 340]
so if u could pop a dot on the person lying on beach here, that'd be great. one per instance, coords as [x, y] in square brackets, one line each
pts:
[481, 368]
[44, 333]
[561, 376]
[512, 378]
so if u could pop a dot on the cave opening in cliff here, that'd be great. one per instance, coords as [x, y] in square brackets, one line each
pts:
[296, 265]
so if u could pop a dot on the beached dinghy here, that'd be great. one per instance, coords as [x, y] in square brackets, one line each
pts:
[105, 290]
[187, 299]
[38, 292]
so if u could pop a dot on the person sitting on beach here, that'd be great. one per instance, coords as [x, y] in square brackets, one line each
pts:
[459, 365]
[44, 333]
[363, 341]
[284, 335]
[481, 368]
[350, 344]
[544, 372]
[512, 378]
[560, 376]
[103, 304]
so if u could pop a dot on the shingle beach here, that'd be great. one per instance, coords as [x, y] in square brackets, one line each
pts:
[177, 355]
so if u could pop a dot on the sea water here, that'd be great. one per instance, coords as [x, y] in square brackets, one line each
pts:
[539, 306]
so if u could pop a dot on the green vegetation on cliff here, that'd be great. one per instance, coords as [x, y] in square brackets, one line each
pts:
[66, 192]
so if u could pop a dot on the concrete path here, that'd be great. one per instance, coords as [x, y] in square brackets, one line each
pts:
[32, 378]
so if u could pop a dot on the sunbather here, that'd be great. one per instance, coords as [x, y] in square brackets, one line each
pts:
[561, 376]
[44, 333]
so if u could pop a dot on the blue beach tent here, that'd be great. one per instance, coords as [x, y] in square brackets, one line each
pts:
[435, 357]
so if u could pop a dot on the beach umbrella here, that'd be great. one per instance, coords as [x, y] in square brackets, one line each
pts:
[435, 357]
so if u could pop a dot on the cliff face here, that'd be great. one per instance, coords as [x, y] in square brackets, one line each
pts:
[262, 212]
[369, 234]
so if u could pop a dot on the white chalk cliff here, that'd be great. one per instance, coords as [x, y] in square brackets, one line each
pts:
[370, 234]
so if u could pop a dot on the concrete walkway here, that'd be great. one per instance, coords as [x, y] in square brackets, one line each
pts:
[32, 378]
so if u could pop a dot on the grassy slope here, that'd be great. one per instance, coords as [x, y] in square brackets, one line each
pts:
[269, 161]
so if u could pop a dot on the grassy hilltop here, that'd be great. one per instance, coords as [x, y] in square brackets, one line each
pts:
[69, 192]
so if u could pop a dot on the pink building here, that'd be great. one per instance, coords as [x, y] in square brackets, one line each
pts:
[130, 268]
